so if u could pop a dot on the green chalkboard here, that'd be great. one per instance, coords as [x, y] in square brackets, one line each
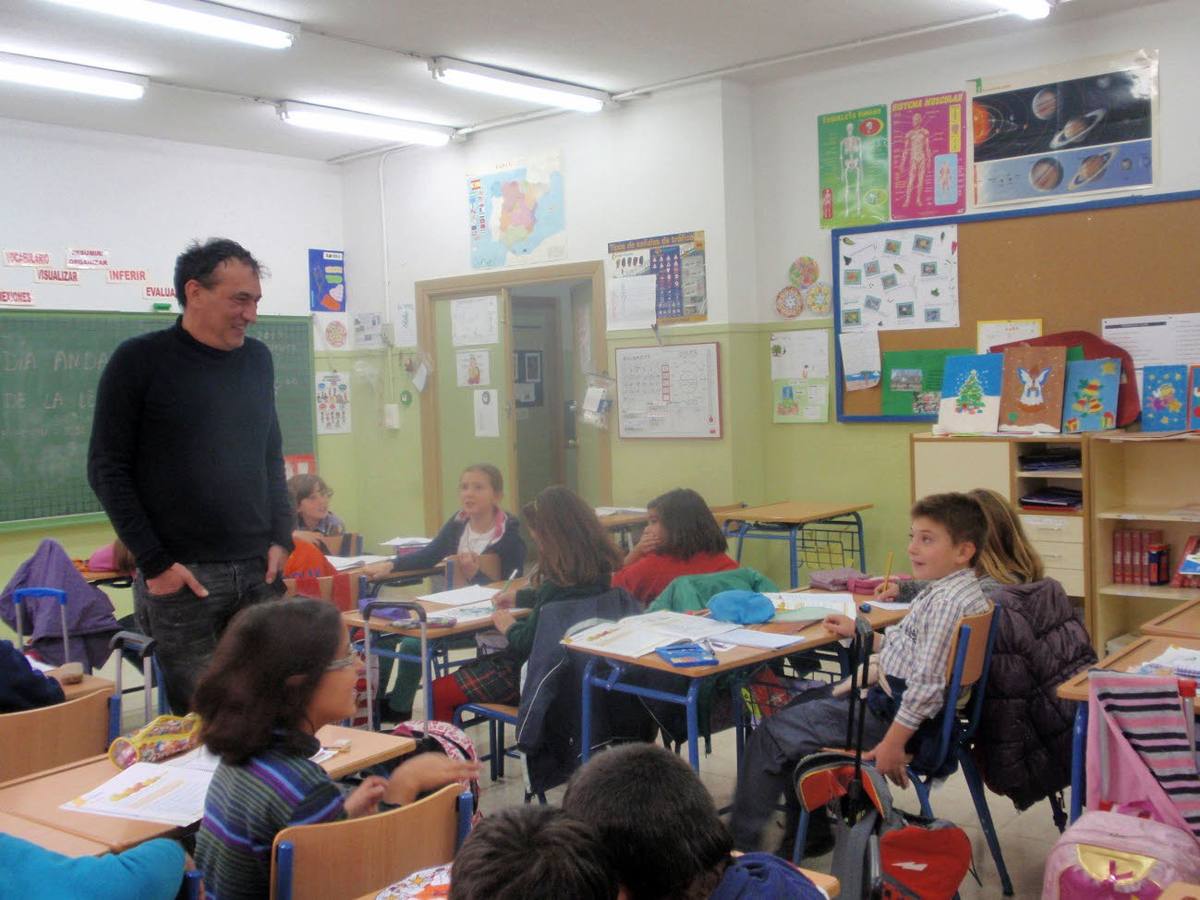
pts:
[50, 364]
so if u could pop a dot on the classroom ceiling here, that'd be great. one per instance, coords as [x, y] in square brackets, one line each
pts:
[370, 56]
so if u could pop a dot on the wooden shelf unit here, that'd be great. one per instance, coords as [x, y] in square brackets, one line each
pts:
[1139, 484]
[966, 462]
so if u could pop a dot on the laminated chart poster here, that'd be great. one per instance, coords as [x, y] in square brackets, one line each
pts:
[675, 262]
[929, 159]
[1069, 131]
[333, 403]
[326, 281]
[669, 392]
[852, 151]
[517, 213]
[898, 279]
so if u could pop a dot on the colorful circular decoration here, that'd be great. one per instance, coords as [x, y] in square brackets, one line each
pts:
[789, 302]
[804, 272]
[818, 298]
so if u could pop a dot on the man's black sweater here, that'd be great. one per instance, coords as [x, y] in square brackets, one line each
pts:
[186, 454]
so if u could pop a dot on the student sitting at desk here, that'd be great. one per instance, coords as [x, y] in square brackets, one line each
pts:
[1007, 556]
[310, 497]
[22, 686]
[150, 871]
[576, 559]
[946, 535]
[283, 670]
[480, 526]
[681, 537]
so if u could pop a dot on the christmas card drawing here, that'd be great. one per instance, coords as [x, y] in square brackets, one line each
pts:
[1031, 396]
[970, 394]
[1090, 397]
[1164, 398]
[1193, 402]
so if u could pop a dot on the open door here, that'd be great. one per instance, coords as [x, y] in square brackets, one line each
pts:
[472, 391]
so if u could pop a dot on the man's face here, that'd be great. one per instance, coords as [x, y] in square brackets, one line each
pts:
[218, 316]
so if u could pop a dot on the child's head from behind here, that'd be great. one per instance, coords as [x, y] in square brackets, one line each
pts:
[480, 488]
[947, 532]
[573, 547]
[656, 819]
[310, 496]
[684, 524]
[1007, 554]
[281, 666]
[531, 853]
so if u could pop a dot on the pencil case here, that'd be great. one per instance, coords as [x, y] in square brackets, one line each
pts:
[159, 739]
[865, 585]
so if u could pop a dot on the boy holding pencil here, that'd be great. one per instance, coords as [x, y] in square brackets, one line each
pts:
[946, 534]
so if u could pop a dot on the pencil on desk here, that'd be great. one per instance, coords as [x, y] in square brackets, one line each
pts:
[887, 575]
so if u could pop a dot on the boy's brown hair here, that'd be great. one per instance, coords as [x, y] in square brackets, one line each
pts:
[959, 514]
[573, 548]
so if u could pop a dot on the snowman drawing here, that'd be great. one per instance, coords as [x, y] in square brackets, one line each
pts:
[1031, 396]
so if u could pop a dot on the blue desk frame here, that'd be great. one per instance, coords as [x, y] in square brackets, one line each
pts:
[779, 531]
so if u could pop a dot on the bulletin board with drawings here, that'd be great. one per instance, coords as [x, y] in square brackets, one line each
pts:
[1070, 266]
[669, 391]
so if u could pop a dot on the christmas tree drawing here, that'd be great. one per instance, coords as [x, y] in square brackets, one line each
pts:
[970, 395]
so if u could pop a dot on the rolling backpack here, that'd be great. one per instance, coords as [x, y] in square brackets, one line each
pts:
[879, 851]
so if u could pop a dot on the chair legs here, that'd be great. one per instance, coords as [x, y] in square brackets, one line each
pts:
[975, 784]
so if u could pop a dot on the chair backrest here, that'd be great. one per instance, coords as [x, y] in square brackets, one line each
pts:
[980, 626]
[356, 856]
[348, 543]
[51, 736]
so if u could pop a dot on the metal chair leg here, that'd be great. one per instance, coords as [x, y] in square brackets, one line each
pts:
[975, 784]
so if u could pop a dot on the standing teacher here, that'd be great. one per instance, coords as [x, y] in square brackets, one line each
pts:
[187, 459]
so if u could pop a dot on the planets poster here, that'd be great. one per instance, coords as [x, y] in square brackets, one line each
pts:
[1037, 139]
[929, 158]
[852, 150]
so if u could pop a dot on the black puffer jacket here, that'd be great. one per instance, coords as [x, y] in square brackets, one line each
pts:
[1023, 746]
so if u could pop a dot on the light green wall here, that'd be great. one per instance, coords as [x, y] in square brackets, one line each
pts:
[376, 472]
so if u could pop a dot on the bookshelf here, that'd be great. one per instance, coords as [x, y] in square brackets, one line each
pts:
[965, 462]
[1139, 482]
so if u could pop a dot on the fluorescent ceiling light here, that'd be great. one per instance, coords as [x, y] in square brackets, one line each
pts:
[341, 121]
[62, 76]
[542, 91]
[198, 17]
[1029, 9]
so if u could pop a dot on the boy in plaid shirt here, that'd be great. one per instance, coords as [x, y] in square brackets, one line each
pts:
[947, 532]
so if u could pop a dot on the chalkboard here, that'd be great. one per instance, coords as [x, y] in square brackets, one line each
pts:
[50, 365]
[671, 391]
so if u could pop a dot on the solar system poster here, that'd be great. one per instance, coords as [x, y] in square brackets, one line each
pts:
[929, 160]
[852, 151]
[1067, 138]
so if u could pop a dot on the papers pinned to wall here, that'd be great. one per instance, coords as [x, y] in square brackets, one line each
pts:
[800, 376]
[899, 280]
[332, 331]
[474, 320]
[405, 325]
[990, 333]
[631, 302]
[333, 403]
[368, 331]
[474, 367]
[487, 414]
[860, 359]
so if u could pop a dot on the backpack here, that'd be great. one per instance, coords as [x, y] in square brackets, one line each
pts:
[442, 737]
[1116, 855]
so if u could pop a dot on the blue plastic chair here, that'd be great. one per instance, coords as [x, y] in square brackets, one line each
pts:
[497, 715]
[352, 857]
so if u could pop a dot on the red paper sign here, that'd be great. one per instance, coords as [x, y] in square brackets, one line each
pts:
[26, 258]
[57, 276]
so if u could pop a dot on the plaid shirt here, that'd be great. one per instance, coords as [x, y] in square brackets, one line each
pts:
[917, 648]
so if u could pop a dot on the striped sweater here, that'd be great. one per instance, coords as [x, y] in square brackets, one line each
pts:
[247, 805]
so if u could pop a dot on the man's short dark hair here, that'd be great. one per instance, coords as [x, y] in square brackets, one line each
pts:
[655, 818]
[959, 514]
[200, 261]
[532, 853]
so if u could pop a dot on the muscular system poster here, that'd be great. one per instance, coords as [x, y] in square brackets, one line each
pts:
[929, 162]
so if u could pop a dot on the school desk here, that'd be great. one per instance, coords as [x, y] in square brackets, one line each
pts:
[828, 883]
[819, 527]
[38, 797]
[89, 685]
[1140, 651]
[622, 526]
[50, 838]
[1181, 622]
[737, 658]
[434, 637]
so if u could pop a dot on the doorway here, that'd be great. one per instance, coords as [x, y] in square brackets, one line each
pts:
[549, 333]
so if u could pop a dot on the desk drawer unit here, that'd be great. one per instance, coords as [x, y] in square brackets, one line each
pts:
[1059, 541]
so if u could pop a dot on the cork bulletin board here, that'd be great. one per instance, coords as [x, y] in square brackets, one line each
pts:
[1070, 266]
